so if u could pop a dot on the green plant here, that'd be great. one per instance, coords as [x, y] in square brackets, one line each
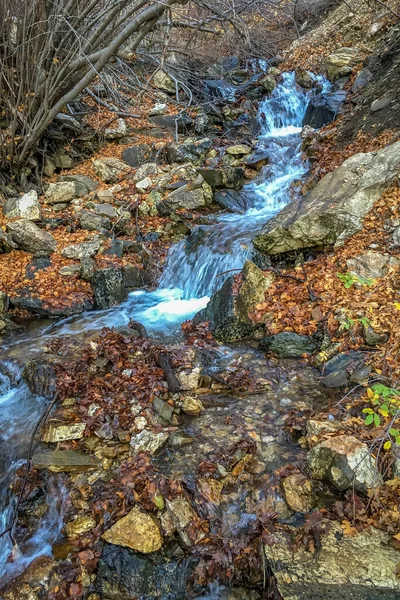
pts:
[347, 323]
[348, 279]
[386, 403]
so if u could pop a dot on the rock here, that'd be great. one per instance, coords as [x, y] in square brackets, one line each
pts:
[180, 122]
[337, 371]
[228, 311]
[104, 195]
[381, 103]
[93, 222]
[59, 432]
[26, 207]
[373, 338]
[210, 488]
[180, 514]
[163, 409]
[372, 265]
[323, 108]
[61, 192]
[396, 236]
[82, 524]
[40, 375]
[110, 169]
[4, 302]
[136, 155]
[144, 184]
[83, 250]
[163, 81]
[158, 109]
[288, 344]
[191, 150]
[145, 170]
[62, 160]
[185, 198]
[84, 182]
[28, 300]
[31, 238]
[335, 208]
[344, 568]
[117, 132]
[344, 461]
[304, 79]
[147, 441]
[298, 493]
[108, 287]
[60, 461]
[362, 80]
[105, 210]
[189, 379]
[342, 61]
[139, 531]
[238, 150]
[268, 83]
[226, 177]
[255, 160]
[233, 200]
[191, 405]
[133, 277]
[88, 268]
[70, 270]
[115, 249]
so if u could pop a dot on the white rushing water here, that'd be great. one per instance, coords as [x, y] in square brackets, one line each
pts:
[191, 275]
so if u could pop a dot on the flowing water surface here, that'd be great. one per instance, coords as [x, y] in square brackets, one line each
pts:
[191, 275]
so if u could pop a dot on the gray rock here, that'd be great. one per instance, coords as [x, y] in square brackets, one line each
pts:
[344, 568]
[93, 222]
[163, 409]
[82, 250]
[62, 192]
[108, 287]
[147, 441]
[344, 461]
[180, 123]
[85, 181]
[335, 208]
[372, 338]
[396, 236]
[362, 80]
[105, 210]
[110, 170]
[116, 132]
[288, 345]
[236, 201]
[88, 268]
[135, 156]
[304, 79]
[342, 61]
[323, 109]
[372, 265]
[381, 103]
[163, 81]
[225, 177]
[60, 461]
[191, 150]
[134, 277]
[184, 197]
[338, 371]
[115, 249]
[70, 270]
[26, 207]
[145, 170]
[31, 238]
[158, 109]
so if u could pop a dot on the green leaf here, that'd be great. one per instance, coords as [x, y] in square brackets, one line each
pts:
[159, 501]
[394, 432]
[368, 411]
[377, 420]
[387, 445]
[398, 440]
[369, 419]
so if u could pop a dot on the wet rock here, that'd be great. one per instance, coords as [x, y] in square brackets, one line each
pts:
[184, 197]
[60, 461]
[26, 207]
[344, 461]
[133, 277]
[322, 109]
[85, 183]
[233, 200]
[83, 250]
[82, 524]
[110, 169]
[191, 150]
[210, 488]
[40, 375]
[362, 80]
[304, 79]
[136, 155]
[224, 177]
[372, 265]
[228, 311]
[163, 81]
[105, 210]
[59, 432]
[147, 441]
[255, 160]
[373, 338]
[31, 238]
[191, 405]
[108, 287]
[28, 300]
[268, 83]
[298, 493]
[139, 531]
[396, 236]
[189, 379]
[342, 62]
[339, 369]
[334, 209]
[344, 568]
[93, 222]
[180, 512]
[116, 132]
[163, 409]
[288, 344]
[62, 192]
[124, 574]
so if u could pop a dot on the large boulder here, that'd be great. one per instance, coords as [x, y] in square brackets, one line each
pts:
[25, 207]
[343, 568]
[228, 312]
[323, 109]
[108, 287]
[335, 208]
[31, 238]
[345, 462]
[342, 61]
